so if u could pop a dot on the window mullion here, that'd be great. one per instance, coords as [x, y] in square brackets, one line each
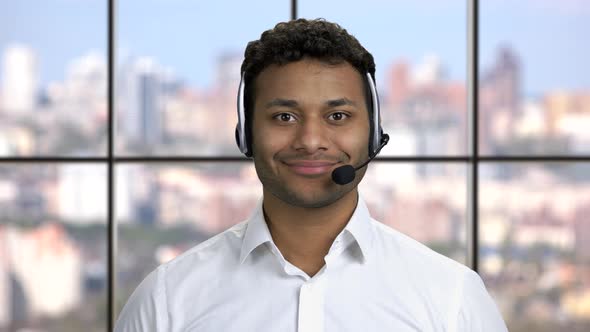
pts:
[293, 9]
[111, 226]
[472, 120]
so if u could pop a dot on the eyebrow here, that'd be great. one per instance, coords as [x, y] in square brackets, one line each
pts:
[290, 103]
[282, 102]
[340, 102]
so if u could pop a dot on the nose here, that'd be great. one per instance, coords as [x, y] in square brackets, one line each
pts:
[311, 136]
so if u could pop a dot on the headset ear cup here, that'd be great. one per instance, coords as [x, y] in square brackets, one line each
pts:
[372, 134]
[374, 114]
[241, 127]
[248, 145]
[238, 136]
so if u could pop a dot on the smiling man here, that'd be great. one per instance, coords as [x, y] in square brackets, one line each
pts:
[310, 258]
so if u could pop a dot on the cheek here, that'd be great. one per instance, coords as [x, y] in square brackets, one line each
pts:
[357, 142]
[266, 142]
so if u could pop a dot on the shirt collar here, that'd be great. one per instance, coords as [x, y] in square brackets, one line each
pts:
[359, 226]
[257, 232]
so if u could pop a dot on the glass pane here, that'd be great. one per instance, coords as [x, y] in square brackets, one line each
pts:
[165, 210]
[53, 248]
[178, 79]
[420, 52]
[414, 198]
[53, 78]
[534, 77]
[534, 236]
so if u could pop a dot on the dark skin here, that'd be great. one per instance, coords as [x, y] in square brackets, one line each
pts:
[309, 118]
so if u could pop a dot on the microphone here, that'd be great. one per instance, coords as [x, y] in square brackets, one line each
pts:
[345, 174]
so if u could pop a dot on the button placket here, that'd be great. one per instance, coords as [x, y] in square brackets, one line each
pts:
[311, 307]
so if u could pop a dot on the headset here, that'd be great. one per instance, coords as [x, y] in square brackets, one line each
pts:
[377, 138]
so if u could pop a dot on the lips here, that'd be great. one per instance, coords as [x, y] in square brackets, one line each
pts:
[310, 167]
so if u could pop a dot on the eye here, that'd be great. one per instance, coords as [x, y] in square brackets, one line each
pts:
[284, 117]
[338, 116]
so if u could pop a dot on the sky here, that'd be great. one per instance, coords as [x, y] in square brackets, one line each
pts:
[188, 35]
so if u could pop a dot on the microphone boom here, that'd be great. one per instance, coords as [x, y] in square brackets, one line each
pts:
[346, 174]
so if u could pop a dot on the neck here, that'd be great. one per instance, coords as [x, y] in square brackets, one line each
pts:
[305, 235]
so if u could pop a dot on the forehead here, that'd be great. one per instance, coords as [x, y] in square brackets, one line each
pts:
[309, 78]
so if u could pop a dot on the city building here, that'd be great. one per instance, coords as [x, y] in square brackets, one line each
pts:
[42, 268]
[500, 98]
[142, 98]
[5, 286]
[20, 80]
[75, 202]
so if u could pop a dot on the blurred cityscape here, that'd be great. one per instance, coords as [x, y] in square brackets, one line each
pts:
[62, 118]
[156, 113]
[535, 229]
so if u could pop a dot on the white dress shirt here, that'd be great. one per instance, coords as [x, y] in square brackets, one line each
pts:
[374, 279]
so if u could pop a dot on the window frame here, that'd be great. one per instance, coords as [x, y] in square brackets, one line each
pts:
[473, 159]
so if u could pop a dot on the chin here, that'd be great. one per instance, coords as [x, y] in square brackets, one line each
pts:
[303, 192]
[309, 198]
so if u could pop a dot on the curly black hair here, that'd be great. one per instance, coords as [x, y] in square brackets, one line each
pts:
[291, 41]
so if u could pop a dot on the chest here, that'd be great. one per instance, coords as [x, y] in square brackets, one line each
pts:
[340, 303]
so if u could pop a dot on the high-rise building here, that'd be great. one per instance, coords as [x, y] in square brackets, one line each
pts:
[5, 293]
[143, 96]
[508, 80]
[505, 79]
[499, 100]
[46, 270]
[19, 79]
[222, 116]
[86, 80]
[582, 232]
[430, 71]
[399, 83]
[124, 198]
[568, 113]
[82, 193]
[228, 72]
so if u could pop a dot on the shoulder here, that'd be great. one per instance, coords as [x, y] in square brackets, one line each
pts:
[476, 310]
[417, 257]
[228, 240]
[149, 307]
[145, 309]
[434, 278]
[210, 256]
[456, 292]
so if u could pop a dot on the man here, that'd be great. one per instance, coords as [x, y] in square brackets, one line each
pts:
[310, 258]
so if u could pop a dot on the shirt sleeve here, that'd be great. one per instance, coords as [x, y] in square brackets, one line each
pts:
[146, 309]
[477, 311]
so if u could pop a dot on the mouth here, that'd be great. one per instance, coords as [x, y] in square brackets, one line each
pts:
[311, 167]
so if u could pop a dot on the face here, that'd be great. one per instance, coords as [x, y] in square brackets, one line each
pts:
[309, 118]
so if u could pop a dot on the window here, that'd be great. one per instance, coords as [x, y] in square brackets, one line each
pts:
[129, 131]
[420, 76]
[53, 172]
[534, 106]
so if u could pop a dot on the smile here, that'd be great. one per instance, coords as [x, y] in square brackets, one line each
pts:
[311, 167]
